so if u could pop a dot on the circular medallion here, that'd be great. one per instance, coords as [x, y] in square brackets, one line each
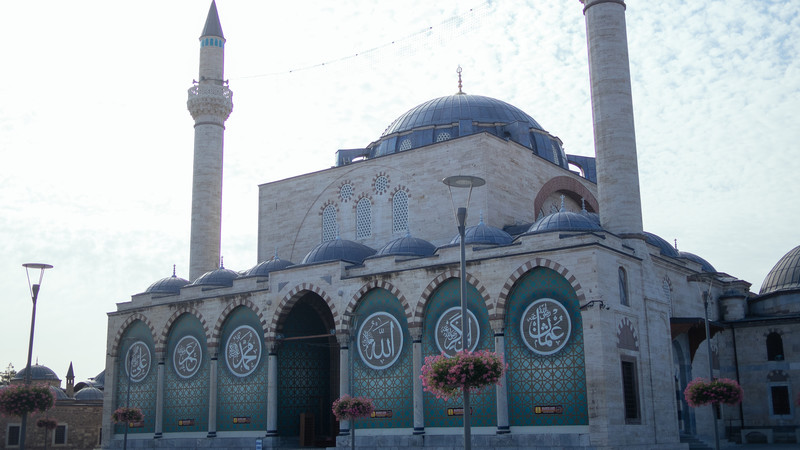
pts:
[380, 340]
[545, 326]
[187, 356]
[449, 331]
[243, 351]
[137, 361]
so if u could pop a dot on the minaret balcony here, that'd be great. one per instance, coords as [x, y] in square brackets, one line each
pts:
[210, 99]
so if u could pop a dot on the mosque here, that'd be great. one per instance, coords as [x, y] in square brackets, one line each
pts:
[367, 252]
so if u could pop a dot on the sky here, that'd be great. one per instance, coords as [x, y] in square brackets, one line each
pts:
[96, 141]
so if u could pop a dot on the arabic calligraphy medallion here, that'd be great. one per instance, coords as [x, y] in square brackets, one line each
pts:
[449, 331]
[545, 326]
[243, 351]
[187, 356]
[137, 361]
[380, 340]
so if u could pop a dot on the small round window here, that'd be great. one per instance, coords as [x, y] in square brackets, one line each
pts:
[381, 184]
[346, 192]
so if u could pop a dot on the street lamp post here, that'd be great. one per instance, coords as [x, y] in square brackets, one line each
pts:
[706, 299]
[460, 212]
[34, 290]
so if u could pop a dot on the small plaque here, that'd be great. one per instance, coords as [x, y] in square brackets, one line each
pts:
[382, 414]
[459, 411]
[241, 420]
[136, 424]
[550, 409]
[186, 423]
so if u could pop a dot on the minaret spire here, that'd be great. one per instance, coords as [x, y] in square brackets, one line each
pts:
[210, 103]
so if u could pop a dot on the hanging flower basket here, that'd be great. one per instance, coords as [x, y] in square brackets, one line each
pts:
[349, 408]
[722, 390]
[445, 377]
[47, 423]
[127, 415]
[24, 399]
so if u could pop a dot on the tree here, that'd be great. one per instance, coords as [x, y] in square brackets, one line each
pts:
[7, 375]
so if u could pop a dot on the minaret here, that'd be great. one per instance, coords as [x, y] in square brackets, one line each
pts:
[210, 105]
[612, 113]
[70, 381]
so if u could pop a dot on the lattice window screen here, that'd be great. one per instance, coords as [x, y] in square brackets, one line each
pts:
[329, 223]
[400, 212]
[363, 219]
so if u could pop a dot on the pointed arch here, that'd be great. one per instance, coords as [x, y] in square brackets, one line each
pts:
[125, 325]
[568, 186]
[185, 309]
[500, 311]
[344, 326]
[419, 312]
[288, 301]
[213, 341]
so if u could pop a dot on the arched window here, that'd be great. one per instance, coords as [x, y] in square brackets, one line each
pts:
[623, 287]
[774, 347]
[399, 212]
[363, 219]
[329, 223]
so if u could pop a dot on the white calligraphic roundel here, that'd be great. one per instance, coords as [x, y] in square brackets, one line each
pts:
[545, 326]
[380, 340]
[449, 332]
[137, 361]
[187, 356]
[243, 351]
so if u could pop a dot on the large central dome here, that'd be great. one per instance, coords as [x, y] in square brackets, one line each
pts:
[454, 108]
[460, 115]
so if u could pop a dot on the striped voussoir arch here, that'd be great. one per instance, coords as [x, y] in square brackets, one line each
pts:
[527, 267]
[213, 342]
[288, 301]
[344, 326]
[161, 344]
[132, 318]
[438, 281]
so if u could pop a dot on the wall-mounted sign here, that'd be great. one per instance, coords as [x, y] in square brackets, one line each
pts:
[241, 420]
[137, 361]
[382, 414]
[136, 424]
[380, 340]
[187, 356]
[459, 411]
[243, 351]
[186, 423]
[550, 409]
[545, 326]
[449, 331]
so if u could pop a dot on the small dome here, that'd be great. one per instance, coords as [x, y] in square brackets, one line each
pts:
[168, 285]
[58, 393]
[38, 373]
[219, 277]
[663, 246]
[338, 250]
[705, 266]
[89, 393]
[785, 275]
[484, 234]
[263, 268]
[407, 246]
[566, 221]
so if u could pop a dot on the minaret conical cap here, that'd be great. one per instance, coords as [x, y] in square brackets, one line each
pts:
[212, 27]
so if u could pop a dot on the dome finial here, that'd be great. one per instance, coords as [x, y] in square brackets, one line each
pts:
[458, 71]
[562, 204]
[221, 262]
[676, 244]
[173, 270]
[583, 206]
